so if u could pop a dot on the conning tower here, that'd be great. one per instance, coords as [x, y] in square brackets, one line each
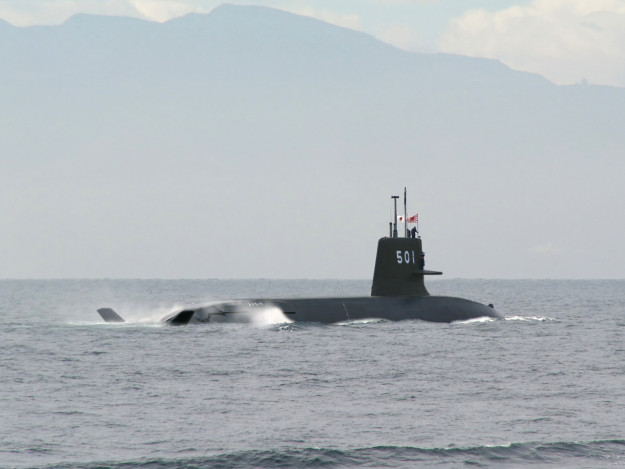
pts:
[399, 263]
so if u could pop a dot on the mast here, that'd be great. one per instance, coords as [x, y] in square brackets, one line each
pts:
[395, 197]
[405, 216]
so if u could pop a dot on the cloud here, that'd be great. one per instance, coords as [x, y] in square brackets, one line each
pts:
[567, 41]
[417, 2]
[163, 10]
[29, 12]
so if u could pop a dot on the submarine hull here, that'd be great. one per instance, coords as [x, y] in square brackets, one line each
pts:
[333, 310]
[398, 293]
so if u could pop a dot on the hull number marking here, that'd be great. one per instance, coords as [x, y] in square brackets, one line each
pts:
[406, 257]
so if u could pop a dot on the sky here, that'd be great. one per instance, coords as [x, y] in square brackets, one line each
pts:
[512, 177]
[566, 41]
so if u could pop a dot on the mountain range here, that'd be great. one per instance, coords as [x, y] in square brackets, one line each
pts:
[251, 142]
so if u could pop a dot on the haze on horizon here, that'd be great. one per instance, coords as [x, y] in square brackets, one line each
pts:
[250, 142]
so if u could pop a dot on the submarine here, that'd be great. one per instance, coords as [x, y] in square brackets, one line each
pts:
[398, 293]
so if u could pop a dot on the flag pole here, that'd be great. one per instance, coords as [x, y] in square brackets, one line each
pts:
[405, 216]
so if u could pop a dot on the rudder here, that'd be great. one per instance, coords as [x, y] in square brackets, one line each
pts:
[109, 315]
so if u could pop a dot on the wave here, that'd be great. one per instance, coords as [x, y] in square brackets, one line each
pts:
[529, 318]
[562, 454]
[476, 320]
[486, 319]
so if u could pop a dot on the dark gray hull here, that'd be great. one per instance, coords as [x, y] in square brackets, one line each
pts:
[333, 310]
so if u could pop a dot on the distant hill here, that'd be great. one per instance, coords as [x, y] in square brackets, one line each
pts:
[251, 142]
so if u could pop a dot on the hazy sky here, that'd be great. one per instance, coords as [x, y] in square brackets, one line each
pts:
[567, 41]
[136, 159]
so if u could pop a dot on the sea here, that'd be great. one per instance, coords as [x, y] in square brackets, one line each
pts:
[542, 387]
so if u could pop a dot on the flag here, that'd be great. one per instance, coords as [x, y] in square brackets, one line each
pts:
[400, 218]
[413, 219]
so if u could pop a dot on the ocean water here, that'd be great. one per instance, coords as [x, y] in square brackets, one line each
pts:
[544, 387]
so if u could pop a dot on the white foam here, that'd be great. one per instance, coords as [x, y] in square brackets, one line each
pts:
[268, 315]
[263, 315]
[528, 318]
[351, 322]
[476, 320]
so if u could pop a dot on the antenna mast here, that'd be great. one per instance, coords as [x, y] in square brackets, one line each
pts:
[395, 197]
